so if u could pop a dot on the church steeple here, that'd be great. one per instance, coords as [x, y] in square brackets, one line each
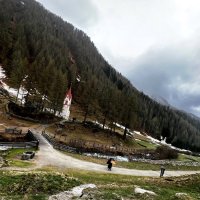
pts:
[66, 104]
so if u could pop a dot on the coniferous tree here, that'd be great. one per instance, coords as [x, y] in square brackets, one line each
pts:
[19, 71]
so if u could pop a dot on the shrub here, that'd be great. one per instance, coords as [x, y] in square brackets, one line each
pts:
[164, 152]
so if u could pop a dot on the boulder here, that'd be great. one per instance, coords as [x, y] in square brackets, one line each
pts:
[183, 196]
[139, 190]
[74, 192]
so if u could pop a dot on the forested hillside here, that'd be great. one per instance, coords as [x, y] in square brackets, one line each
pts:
[52, 55]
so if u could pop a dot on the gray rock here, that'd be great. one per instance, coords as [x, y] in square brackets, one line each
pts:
[74, 192]
[139, 190]
[183, 196]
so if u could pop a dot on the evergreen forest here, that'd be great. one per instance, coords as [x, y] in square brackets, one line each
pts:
[47, 55]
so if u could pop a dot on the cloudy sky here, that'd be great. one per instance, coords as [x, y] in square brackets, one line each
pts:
[154, 43]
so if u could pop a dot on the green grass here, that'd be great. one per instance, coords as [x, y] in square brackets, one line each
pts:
[112, 186]
[146, 144]
[20, 163]
[13, 156]
[38, 185]
[189, 158]
[13, 153]
[34, 185]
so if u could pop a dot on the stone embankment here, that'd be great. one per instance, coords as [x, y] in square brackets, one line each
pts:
[168, 162]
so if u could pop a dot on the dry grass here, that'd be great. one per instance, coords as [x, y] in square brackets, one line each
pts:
[10, 122]
[73, 132]
[79, 132]
[76, 111]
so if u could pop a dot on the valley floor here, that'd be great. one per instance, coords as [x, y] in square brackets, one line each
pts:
[54, 172]
[48, 156]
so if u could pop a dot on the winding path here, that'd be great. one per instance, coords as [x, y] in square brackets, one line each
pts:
[48, 156]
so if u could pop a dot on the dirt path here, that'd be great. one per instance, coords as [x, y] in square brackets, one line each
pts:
[48, 156]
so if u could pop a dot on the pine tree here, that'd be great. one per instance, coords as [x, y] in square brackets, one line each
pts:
[19, 70]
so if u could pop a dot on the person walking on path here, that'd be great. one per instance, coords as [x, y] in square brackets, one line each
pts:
[162, 171]
[110, 163]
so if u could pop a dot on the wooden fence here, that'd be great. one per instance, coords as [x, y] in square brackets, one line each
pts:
[90, 147]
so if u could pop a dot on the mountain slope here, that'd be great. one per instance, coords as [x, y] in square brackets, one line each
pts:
[51, 54]
[160, 100]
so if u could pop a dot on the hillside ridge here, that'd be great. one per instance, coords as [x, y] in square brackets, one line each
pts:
[52, 53]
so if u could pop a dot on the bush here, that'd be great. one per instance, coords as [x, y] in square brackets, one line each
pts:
[164, 152]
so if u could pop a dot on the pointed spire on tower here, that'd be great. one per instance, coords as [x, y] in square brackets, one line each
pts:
[68, 97]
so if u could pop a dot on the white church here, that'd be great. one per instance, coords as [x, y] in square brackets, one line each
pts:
[66, 105]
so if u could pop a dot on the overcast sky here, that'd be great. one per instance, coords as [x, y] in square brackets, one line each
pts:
[154, 43]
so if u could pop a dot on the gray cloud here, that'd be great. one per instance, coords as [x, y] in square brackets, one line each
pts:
[172, 73]
[80, 13]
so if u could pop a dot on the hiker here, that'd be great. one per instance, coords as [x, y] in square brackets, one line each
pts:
[110, 163]
[162, 170]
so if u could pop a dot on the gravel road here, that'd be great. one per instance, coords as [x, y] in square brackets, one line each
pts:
[48, 156]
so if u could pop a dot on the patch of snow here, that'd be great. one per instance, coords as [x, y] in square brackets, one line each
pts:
[173, 147]
[143, 191]
[12, 91]
[101, 125]
[74, 192]
[44, 97]
[78, 78]
[137, 132]
[153, 140]
[117, 158]
[163, 142]
[116, 124]
[120, 158]
[2, 73]
[123, 127]
[3, 148]
[120, 126]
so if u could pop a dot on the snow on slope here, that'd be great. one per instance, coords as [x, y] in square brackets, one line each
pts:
[151, 139]
[22, 90]
[11, 91]
[2, 73]
[163, 142]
